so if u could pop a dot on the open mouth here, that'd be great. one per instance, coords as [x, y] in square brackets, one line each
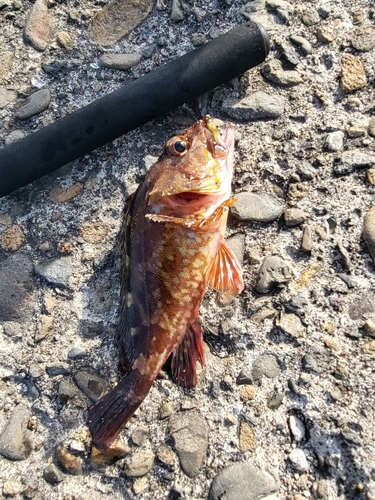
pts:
[188, 197]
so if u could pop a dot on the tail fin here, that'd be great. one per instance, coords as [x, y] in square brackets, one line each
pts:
[108, 416]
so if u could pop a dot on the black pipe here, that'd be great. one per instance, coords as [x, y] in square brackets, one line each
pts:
[144, 99]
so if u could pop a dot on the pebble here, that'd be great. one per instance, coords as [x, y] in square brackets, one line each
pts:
[139, 436]
[11, 488]
[237, 244]
[77, 353]
[276, 400]
[165, 410]
[56, 370]
[244, 378]
[17, 287]
[140, 485]
[91, 384]
[297, 428]
[334, 141]
[95, 232]
[370, 176]
[363, 38]
[355, 131]
[284, 10]
[68, 462]
[139, 464]
[12, 238]
[368, 231]
[369, 328]
[53, 474]
[246, 439]
[267, 366]
[304, 44]
[120, 61]
[306, 240]
[274, 72]
[361, 306]
[44, 327]
[243, 481]
[60, 195]
[274, 273]
[56, 271]
[177, 14]
[256, 106]
[256, 207]
[247, 394]
[295, 217]
[353, 75]
[36, 103]
[290, 324]
[306, 171]
[325, 34]
[307, 274]
[69, 392]
[369, 347]
[166, 456]
[65, 40]
[190, 433]
[100, 459]
[353, 159]
[14, 439]
[6, 96]
[335, 394]
[298, 459]
[371, 127]
[39, 29]
[6, 60]
[310, 16]
[316, 360]
[117, 19]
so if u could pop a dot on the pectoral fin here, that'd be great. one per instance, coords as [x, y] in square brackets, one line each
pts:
[185, 356]
[225, 273]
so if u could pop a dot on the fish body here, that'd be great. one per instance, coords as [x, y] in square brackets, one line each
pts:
[172, 248]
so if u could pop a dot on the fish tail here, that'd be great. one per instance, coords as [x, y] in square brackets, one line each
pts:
[108, 416]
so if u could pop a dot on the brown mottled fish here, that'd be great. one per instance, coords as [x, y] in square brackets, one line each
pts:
[173, 248]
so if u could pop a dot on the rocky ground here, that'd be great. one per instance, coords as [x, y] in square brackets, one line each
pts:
[285, 405]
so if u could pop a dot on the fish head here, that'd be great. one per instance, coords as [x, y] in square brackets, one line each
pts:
[193, 176]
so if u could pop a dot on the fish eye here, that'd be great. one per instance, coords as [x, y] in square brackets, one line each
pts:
[177, 146]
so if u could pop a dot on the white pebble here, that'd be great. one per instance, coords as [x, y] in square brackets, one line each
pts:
[299, 460]
[297, 428]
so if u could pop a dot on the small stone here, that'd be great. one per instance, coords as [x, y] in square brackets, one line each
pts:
[369, 328]
[307, 274]
[165, 410]
[370, 175]
[257, 106]
[335, 141]
[354, 132]
[298, 459]
[12, 238]
[117, 19]
[139, 436]
[344, 256]
[363, 305]
[335, 394]
[34, 104]
[364, 38]
[371, 126]
[140, 485]
[275, 401]
[198, 39]
[267, 366]
[244, 378]
[177, 14]
[77, 353]
[368, 231]
[353, 75]
[95, 233]
[297, 191]
[139, 464]
[256, 207]
[6, 60]
[295, 216]
[65, 40]
[243, 481]
[166, 455]
[325, 34]
[353, 159]
[190, 433]
[274, 273]
[6, 96]
[56, 271]
[44, 327]
[14, 439]
[263, 314]
[290, 324]
[68, 462]
[306, 171]
[297, 428]
[310, 16]
[247, 439]
[321, 232]
[316, 360]
[304, 44]
[322, 489]
[11, 488]
[369, 347]
[331, 344]
[100, 459]
[284, 10]
[61, 195]
[306, 240]
[56, 370]
[39, 29]
[274, 72]
[351, 436]
[122, 62]
[247, 394]
[53, 474]
[91, 383]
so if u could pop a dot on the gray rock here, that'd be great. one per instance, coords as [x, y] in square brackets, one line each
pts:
[274, 72]
[244, 378]
[297, 428]
[287, 54]
[274, 273]
[284, 10]
[120, 61]
[290, 324]
[70, 392]
[310, 16]
[316, 360]
[353, 159]
[243, 481]
[39, 30]
[53, 474]
[369, 328]
[299, 460]
[56, 271]
[177, 13]
[190, 433]
[14, 439]
[256, 207]
[351, 436]
[303, 44]
[34, 104]
[266, 365]
[295, 216]
[275, 401]
[17, 289]
[91, 383]
[139, 464]
[361, 306]
[77, 353]
[368, 231]
[257, 106]
[56, 370]
[335, 141]
[306, 240]
[7, 96]
[15, 135]
[364, 38]
[306, 171]
[237, 245]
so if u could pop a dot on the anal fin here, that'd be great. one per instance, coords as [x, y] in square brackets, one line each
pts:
[185, 357]
[225, 273]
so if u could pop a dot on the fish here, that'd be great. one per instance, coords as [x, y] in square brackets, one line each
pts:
[172, 249]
